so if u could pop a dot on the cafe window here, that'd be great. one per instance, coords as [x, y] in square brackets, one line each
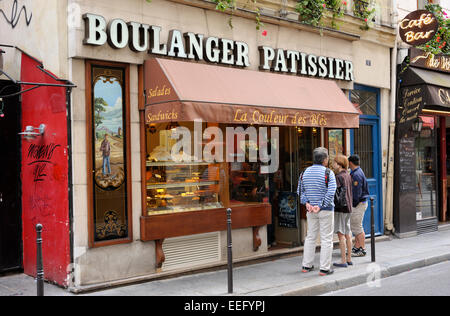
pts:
[108, 148]
[426, 198]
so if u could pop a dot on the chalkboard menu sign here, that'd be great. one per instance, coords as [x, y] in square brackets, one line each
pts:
[411, 104]
[287, 216]
[407, 164]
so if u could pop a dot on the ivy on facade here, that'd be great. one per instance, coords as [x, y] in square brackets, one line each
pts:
[230, 6]
[312, 11]
[366, 11]
[440, 43]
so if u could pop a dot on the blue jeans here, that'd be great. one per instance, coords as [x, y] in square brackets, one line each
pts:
[106, 165]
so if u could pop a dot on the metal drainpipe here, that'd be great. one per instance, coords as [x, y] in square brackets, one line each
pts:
[389, 206]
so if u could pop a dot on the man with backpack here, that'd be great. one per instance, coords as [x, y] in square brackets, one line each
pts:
[316, 189]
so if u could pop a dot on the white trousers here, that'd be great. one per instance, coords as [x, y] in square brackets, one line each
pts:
[322, 222]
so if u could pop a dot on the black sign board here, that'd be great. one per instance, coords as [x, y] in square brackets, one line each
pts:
[410, 107]
[407, 164]
[287, 216]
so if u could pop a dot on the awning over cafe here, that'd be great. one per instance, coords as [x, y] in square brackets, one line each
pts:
[434, 86]
[188, 91]
[422, 90]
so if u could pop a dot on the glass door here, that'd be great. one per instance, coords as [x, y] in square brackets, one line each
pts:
[426, 196]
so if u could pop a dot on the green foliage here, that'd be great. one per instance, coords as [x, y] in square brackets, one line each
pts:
[311, 11]
[337, 7]
[365, 11]
[99, 107]
[230, 5]
[440, 43]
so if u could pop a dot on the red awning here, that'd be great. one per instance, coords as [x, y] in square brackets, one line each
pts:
[188, 91]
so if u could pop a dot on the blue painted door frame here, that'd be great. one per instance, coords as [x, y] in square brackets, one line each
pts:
[375, 183]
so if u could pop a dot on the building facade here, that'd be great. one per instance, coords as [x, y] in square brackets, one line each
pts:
[422, 112]
[146, 71]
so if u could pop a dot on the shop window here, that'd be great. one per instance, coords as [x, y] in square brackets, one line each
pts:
[426, 199]
[108, 150]
[247, 184]
[175, 180]
[308, 140]
[365, 101]
[178, 181]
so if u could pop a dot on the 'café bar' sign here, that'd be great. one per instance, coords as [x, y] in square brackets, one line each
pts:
[418, 27]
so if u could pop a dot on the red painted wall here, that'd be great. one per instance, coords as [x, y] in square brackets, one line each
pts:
[45, 176]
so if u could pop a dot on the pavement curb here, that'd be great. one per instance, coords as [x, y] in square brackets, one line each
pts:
[238, 262]
[361, 278]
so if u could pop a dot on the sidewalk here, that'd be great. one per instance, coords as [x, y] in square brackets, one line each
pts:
[277, 277]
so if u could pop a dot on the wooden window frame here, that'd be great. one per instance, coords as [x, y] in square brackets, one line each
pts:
[89, 153]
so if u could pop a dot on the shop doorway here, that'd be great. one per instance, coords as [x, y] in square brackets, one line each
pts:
[10, 198]
[366, 142]
[288, 215]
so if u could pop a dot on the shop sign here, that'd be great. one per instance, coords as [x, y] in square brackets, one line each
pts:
[418, 27]
[439, 96]
[410, 107]
[246, 115]
[142, 38]
[421, 59]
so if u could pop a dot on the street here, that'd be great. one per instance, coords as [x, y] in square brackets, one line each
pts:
[429, 281]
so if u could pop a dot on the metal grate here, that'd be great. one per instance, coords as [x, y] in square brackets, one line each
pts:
[190, 251]
[364, 148]
[427, 226]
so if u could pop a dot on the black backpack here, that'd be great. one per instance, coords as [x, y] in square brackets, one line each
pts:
[340, 198]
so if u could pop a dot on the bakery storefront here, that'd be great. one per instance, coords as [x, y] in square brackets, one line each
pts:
[219, 138]
[174, 124]
[423, 112]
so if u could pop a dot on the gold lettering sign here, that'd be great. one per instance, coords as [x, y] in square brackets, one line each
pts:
[418, 27]
[161, 116]
[279, 118]
[444, 96]
[430, 61]
[411, 104]
[158, 92]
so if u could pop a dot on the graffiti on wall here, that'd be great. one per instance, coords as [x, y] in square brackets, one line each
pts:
[41, 156]
[14, 16]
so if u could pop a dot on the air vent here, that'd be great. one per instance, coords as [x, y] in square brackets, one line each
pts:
[427, 226]
[191, 251]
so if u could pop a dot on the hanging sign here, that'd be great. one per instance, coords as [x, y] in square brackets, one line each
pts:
[421, 59]
[418, 27]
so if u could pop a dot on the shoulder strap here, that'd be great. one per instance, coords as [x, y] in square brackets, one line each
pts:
[327, 176]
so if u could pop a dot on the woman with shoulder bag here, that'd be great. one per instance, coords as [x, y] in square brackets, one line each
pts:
[343, 209]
